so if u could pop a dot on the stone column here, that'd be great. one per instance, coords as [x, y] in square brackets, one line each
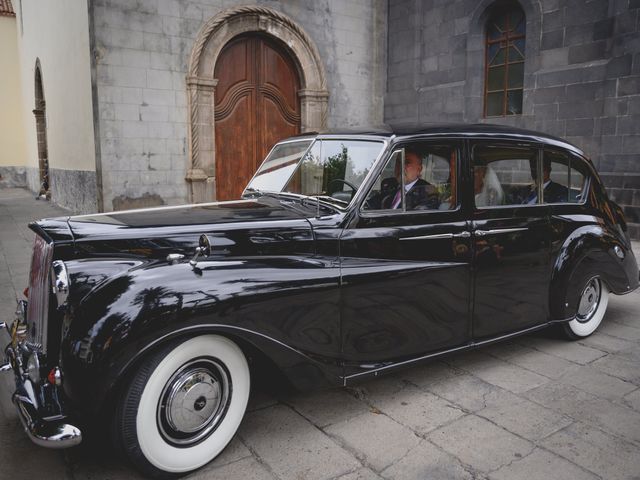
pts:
[41, 135]
[313, 109]
[202, 144]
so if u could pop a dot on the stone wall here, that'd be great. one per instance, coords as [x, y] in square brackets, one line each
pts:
[11, 177]
[582, 76]
[74, 189]
[141, 51]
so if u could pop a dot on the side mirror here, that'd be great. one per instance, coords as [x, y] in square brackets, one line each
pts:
[203, 249]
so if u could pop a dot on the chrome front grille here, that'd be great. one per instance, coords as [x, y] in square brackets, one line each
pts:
[38, 299]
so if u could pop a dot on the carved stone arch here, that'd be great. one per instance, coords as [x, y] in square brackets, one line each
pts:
[474, 88]
[210, 41]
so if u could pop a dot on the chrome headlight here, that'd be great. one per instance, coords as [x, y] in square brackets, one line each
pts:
[60, 281]
[33, 368]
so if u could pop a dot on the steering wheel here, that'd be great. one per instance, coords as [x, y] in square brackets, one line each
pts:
[345, 182]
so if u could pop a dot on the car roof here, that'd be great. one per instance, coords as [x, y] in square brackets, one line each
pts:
[408, 130]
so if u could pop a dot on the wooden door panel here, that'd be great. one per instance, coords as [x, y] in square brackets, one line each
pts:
[233, 67]
[279, 73]
[256, 105]
[237, 157]
[275, 125]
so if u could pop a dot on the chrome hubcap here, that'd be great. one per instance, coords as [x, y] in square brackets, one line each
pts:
[194, 402]
[589, 301]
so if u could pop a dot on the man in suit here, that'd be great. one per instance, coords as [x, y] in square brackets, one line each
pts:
[553, 192]
[419, 194]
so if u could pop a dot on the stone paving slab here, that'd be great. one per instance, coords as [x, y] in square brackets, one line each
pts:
[426, 461]
[293, 447]
[542, 363]
[597, 451]
[375, 439]
[414, 408]
[541, 465]
[478, 443]
[539, 422]
[536, 407]
[498, 372]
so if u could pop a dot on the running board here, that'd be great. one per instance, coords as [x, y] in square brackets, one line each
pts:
[392, 367]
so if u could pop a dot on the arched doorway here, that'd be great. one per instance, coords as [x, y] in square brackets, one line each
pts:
[41, 131]
[256, 105]
[203, 88]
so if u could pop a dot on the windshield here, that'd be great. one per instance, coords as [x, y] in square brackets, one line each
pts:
[278, 166]
[334, 169]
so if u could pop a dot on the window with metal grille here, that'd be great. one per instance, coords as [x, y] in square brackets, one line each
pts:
[504, 63]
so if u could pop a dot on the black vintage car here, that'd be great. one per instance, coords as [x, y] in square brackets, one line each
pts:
[350, 255]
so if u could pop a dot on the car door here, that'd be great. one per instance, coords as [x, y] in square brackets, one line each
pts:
[510, 239]
[406, 271]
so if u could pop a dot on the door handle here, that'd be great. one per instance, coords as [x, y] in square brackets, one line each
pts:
[484, 233]
[439, 236]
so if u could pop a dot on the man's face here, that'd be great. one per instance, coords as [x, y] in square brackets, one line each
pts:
[546, 172]
[412, 167]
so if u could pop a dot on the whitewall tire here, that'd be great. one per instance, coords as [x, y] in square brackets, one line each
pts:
[592, 305]
[183, 405]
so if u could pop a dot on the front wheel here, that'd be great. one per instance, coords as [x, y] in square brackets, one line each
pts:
[183, 405]
[592, 306]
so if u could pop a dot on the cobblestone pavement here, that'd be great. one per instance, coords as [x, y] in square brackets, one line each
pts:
[538, 407]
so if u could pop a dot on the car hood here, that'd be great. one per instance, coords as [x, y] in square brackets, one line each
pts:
[244, 227]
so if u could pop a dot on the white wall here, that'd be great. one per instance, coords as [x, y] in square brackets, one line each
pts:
[57, 33]
[12, 139]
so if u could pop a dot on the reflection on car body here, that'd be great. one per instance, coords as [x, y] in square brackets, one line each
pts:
[349, 255]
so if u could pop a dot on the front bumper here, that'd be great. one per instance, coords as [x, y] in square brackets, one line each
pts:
[37, 402]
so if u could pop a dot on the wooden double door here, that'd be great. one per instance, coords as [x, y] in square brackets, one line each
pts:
[256, 105]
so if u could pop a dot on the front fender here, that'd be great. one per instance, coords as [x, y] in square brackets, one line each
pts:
[589, 251]
[285, 307]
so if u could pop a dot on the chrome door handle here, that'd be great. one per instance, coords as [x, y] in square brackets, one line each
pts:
[484, 233]
[439, 236]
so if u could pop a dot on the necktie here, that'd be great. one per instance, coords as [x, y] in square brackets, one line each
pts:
[533, 198]
[397, 200]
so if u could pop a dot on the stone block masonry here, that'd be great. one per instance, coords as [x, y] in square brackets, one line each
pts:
[582, 77]
[142, 54]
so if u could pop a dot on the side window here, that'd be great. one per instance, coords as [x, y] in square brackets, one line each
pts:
[504, 175]
[564, 178]
[418, 176]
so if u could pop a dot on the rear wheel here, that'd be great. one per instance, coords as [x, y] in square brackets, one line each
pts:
[183, 405]
[592, 306]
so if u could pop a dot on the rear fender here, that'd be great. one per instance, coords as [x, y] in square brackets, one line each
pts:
[589, 251]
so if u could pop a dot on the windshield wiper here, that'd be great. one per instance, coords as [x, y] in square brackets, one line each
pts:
[330, 199]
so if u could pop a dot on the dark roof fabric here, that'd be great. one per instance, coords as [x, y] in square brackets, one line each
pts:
[6, 9]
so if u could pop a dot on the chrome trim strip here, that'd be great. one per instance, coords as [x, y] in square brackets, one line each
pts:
[157, 209]
[430, 237]
[439, 236]
[482, 233]
[445, 352]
